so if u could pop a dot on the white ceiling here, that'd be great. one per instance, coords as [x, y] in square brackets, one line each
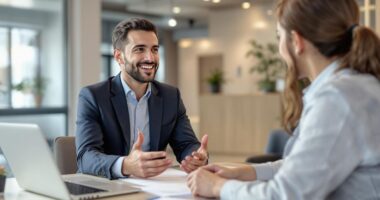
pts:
[198, 10]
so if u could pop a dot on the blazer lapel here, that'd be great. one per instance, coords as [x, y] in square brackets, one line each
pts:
[155, 117]
[120, 106]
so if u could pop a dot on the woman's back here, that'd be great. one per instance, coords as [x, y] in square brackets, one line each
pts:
[362, 94]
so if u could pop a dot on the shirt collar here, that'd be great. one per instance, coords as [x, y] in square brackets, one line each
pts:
[321, 79]
[128, 90]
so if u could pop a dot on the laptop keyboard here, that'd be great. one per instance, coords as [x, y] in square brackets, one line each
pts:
[77, 189]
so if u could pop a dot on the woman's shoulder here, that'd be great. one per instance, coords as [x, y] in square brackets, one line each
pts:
[353, 88]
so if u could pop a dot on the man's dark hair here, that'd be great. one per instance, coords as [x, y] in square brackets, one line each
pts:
[120, 32]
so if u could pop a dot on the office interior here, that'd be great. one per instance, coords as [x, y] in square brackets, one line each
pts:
[50, 49]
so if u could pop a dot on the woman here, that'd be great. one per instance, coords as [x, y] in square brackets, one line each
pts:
[334, 150]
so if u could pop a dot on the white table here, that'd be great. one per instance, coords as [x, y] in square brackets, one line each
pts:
[13, 192]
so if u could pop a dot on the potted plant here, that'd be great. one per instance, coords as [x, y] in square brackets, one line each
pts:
[34, 86]
[215, 80]
[267, 63]
[3, 178]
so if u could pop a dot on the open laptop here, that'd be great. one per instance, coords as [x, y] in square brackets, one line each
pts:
[32, 164]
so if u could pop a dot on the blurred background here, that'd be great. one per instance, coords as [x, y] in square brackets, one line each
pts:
[221, 54]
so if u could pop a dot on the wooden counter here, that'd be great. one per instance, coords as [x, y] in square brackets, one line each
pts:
[239, 123]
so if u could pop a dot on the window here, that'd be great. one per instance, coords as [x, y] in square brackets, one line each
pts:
[4, 69]
[109, 66]
[33, 64]
[20, 69]
[368, 13]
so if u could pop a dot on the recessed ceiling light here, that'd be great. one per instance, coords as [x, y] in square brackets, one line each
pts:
[176, 9]
[216, 1]
[246, 5]
[172, 22]
[206, 0]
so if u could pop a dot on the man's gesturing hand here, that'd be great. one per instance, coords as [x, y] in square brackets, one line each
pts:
[197, 159]
[144, 164]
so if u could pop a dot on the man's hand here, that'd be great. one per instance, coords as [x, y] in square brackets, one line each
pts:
[205, 183]
[197, 159]
[144, 164]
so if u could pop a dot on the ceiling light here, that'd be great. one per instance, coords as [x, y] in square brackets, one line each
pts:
[216, 1]
[172, 22]
[176, 9]
[246, 5]
[206, 0]
[204, 44]
[260, 25]
[185, 43]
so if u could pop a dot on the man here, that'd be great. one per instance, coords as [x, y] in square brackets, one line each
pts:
[125, 123]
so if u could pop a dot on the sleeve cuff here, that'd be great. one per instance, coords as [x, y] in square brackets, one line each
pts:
[230, 188]
[116, 168]
[266, 171]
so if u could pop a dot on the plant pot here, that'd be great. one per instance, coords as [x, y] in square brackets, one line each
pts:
[215, 88]
[38, 100]
[2, 183]
[267, 86]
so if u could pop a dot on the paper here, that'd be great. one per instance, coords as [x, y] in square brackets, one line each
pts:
[171, 183]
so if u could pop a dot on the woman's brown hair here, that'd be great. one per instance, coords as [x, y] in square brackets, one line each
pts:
[331, 26]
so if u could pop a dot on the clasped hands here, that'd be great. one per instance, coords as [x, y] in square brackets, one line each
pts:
[148, 164]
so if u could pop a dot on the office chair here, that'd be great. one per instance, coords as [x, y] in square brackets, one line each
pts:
[275, 147]
[65, 154]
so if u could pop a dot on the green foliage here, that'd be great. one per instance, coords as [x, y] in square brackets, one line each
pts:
[36, 86]
[216, 77]
[267, 61]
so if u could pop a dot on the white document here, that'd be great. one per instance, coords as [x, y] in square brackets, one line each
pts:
[171, 183]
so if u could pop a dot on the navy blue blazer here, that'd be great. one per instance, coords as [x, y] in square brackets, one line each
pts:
[103, 132]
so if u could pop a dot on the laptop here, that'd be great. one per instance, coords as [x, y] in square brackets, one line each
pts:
[32, 163]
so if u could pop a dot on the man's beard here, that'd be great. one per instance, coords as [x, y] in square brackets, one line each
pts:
[136, 74]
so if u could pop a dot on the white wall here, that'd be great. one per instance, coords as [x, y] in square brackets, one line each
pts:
[229, 34]
[84, 55]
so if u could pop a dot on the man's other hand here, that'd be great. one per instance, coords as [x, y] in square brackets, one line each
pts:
[144, 164]
[197, 158]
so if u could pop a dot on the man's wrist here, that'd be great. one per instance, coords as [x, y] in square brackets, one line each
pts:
[125, 167]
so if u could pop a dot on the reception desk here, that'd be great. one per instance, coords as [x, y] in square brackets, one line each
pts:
[239, 124]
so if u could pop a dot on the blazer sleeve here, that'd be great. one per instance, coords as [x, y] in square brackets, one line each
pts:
[91, 158]
[183, 140]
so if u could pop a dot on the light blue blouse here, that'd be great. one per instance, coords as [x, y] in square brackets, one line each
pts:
[334, 152]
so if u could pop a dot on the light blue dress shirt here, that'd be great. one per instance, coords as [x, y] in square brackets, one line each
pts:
[334, 152]
[138, 120]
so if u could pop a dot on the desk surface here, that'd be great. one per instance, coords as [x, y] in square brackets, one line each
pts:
[13, 192]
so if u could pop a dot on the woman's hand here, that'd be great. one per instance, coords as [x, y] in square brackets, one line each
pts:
[205, 183]
[224, 172]
[243, 173]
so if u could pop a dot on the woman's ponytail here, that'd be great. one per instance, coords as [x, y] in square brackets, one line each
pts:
[364, 54]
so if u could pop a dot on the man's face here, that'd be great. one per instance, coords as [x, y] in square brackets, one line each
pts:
[139, 58]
